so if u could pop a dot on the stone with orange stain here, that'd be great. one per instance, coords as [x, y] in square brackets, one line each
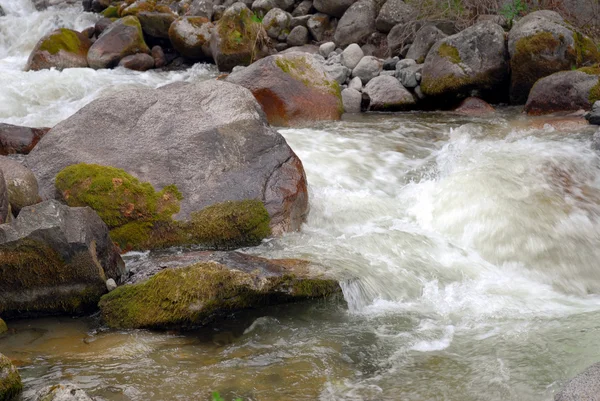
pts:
[292, 89]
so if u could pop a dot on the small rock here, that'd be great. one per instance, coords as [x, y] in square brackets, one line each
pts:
[62, 392]
[407, 62]
[355, 83]
[262, 7]
[159, 57]
[276, 21]
[21, 184]
[111, 284]
[300, 21]
[410, 76]
[326, 48]
[368, 68]
[594, 116]
[387, 94]
[19, 140]
[351, 98]
[137, 62]
[319, 25]
[352, 55]
[298, 36]
[304, 8]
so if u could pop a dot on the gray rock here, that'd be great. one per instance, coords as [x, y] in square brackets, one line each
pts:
[594, 115]
[191, 36]
[300, 21]
[326, 48]
[407, 62]
[388, 73]
[562, 91]
[111, 284]
[335, 8]
[410, 77]
[58, 261]
[390, 63]
[583, 387]
[201, 8]
[472, 62]
[276, 21]
[425, 38]
[211, 139]
[355, 83]
[310, 49]
[337, 72]
[387, 94]
[262, 7]
[11, 384]
[21, 184]
[399, 36]
[368, 68]
[4, 205]
[419, 93]
[392, 13]
[352, 99]
[298, 36]
[303, 9]
[319, 25]
[285, 5]
[137, 62]
[352, 55]
[357, 24]
[156, 24]
[62, 392]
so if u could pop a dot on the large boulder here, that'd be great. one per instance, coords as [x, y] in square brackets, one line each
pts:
[583, 387]
[10, 380]
[4, 205]
[122, 38]
[60, 49]
[190, 36]
[425, 38]
[55, 259]
[474, 61]
[541, 44]
[357, 24]
[16, 139]
[156, 24]
[211, 284]
[335, 8]
[564, 91]
[292, 89]
[21, 184]
[387, 94]
[210, 139]
[392, 13]
[238, 38]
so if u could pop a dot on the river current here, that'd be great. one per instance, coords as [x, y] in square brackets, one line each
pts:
[467, 247]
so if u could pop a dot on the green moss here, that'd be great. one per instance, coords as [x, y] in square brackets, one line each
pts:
[110, 12]
[240, 33]
[137, 7]
[592, 70]
[117, 197]
[231, 224]
[594, 95]
[586, 50]
[3, 326]
[194, 295]
[449, 52]
[10, 380]
[62, 39]
[140, 235]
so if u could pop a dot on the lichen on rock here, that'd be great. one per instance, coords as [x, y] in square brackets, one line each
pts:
[10, 380]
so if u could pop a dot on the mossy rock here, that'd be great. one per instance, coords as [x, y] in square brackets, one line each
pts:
[62, 48]
[110, 12]
[193, 296]
[231, 225]
[3, 326]
[117, 197]
[10, 380]
[449, 52]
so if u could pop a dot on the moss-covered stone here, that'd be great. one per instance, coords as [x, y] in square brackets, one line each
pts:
[3, 326]
[62, 39]
[230, 225]
[10, 380]
[449, 52]
[142, 235]
[117, 197]
[194, 295]
[586, 51]
[137, 7]
[110, 12]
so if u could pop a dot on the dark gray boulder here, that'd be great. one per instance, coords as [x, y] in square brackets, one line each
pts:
[211, 139]
[335, 8]
[357, 24]
[392, 13]
[583, 387]
[55, 259]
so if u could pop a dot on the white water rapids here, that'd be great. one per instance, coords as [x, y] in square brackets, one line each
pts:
[469, 250]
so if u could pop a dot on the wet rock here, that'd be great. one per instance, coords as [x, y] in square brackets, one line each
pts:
[368, 68]
[564, 91]
[298, 36]
[122, 38]
[352, 55]
[387, 94]
[593, 116]
[4, 205]
[202, 8]
[352, 100]
[156, 24]
[292, 89]
[230, 49]
[223, 150]
[473, 106]
[425, 38]
[62, 392]
[63, 48]
[472, 61]
[357, 24]
[10, 380]
[319, 25]
[159, 57]
[276, 21]
[583, 387]
[55, 260]
[335, 8]
[190, 36]
[137, 62]
[392, 13]
[21, 184]
[326, 49]
[541, 44]
[3, 326]
[19, 140]
[211, 284]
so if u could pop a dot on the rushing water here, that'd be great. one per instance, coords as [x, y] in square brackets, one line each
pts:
[468, 249]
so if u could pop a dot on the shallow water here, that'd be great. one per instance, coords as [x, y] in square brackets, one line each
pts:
[467, 249]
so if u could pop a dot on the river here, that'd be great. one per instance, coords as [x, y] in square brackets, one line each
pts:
[467, 247]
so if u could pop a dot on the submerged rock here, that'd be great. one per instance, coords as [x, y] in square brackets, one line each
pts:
[473, 106]
[564, 91]
[55, 260]
[62, 392]
[10, 380]
[210, 139]
[583, 387]
[63, 48]
[16, 139]
[292, 89]
[21, 184]
[216, 284]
